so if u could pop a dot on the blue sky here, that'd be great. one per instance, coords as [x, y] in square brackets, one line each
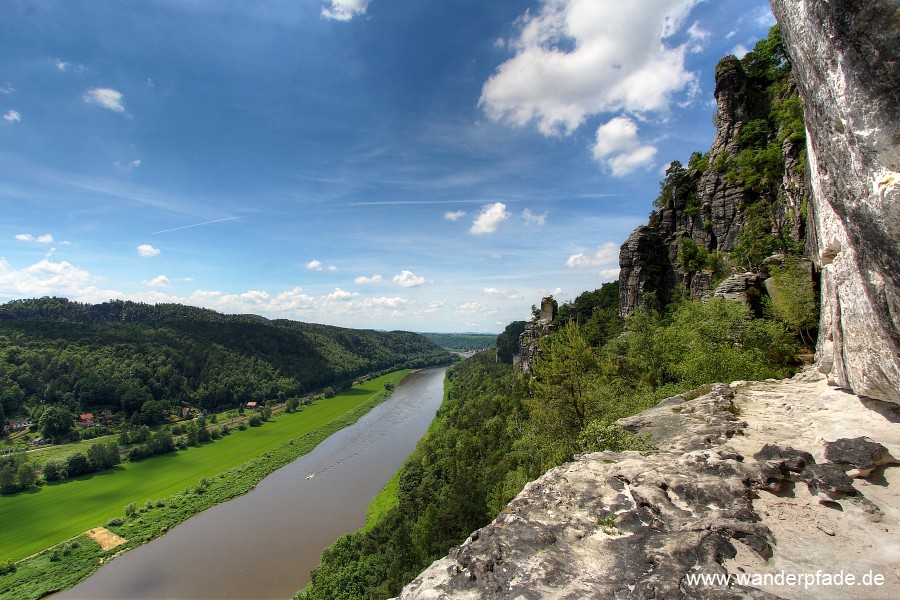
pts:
[429, 165]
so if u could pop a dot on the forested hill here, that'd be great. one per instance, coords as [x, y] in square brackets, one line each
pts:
[463, 342]
[144, 359]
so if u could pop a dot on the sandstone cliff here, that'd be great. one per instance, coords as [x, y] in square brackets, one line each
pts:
[709, 203]
[846, 57]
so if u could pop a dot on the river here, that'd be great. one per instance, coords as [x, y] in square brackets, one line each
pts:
[265, 543]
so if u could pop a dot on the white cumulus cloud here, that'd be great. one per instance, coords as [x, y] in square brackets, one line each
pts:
[367, 280]
[606, 254]
[46, 278]
[618, 148]
[489, 219]
[12, 116]
[146, 250]
[339, 295]
[408, 279]
[105, 98]
[159, 281]
[344, 10]
[454, 215]
[576, 58]
[316, 265]
[41, 239]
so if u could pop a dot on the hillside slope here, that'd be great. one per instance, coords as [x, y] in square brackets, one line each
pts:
[144, 360]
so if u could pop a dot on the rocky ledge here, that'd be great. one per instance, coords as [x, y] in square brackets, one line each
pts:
[779, 477]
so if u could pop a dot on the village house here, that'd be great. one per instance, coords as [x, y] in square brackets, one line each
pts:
[84, 420]
[16, 425]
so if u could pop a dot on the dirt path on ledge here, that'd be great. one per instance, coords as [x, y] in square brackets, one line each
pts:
[812, 536]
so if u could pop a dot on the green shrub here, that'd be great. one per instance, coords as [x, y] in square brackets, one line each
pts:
[600, 435]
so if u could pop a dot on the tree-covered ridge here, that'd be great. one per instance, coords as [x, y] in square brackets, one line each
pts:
[145, 361]
[462, 342]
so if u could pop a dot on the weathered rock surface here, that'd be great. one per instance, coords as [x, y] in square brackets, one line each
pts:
[740, 287]
[846, 58]
[529, 340]
[739, 485]
[860, 455]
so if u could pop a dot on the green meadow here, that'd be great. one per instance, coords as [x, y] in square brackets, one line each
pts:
[44, 516]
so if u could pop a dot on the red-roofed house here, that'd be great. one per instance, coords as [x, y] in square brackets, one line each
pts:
[85, 420]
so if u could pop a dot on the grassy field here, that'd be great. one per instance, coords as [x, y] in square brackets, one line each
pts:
[42, 455]
[41, 517]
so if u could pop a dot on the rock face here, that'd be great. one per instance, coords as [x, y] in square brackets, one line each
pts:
[648, 260]
[740, 287]
[846, 58]
[538, 327]
[722, 496]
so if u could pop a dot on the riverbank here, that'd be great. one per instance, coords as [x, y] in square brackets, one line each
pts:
[61, 566]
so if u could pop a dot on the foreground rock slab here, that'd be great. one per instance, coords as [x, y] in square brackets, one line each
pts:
[740, 487]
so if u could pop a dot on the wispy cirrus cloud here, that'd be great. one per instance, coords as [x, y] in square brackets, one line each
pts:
[129, 165]
[64, 66]
[12, 116]
[454, 215]
[107, 98]
[533, 218]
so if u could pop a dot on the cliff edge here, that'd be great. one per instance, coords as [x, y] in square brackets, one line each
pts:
[750, 482]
